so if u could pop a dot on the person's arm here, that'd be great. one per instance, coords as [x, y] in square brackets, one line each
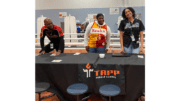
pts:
[121, 29]
[141, 29]
[108, 38]
[121, 42]
[61, 39]
[54, 36]
[88, 29]
[142, 43]
[141, 38]
[59, 34]
[61, 42]
[42, 35]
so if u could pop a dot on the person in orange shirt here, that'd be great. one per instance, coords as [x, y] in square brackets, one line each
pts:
[99, 36]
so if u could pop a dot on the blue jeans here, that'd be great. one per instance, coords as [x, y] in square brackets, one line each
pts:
[97, 50]
[131, 49]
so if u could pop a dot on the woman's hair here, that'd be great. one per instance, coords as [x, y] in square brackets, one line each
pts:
[98, 15]
[131, 9]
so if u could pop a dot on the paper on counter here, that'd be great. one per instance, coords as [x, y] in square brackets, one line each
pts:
[52, 55]
[77, 53]
[140, 56]
[56, 61]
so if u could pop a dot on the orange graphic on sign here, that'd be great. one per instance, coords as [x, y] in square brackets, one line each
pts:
[88, 66]
[60, 14]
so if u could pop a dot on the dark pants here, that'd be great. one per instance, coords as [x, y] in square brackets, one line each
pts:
[56, 46]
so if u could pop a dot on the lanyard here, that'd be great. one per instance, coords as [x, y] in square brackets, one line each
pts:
[132, 30]
[130, 25]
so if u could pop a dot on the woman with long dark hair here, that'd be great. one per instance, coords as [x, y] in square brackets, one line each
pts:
[130, 30]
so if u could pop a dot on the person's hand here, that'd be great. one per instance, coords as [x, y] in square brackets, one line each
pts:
[43, 52]
[87, 48]
[142, 51]
[122, 50]
[106, 50]
[142, 98]
[57, 53]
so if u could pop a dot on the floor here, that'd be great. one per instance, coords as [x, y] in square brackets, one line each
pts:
[55, 98]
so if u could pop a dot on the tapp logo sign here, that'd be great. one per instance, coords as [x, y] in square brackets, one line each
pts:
[88, 70]
[101, 73]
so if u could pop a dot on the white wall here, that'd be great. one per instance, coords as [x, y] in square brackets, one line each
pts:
[135, 3]
[75, 4]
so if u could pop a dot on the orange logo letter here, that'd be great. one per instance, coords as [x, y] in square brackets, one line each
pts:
[103, 72]
[96, 72]
[116, 72]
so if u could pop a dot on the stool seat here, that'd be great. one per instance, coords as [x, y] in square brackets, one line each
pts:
[109, 90]
[77, 89]
[42, 86]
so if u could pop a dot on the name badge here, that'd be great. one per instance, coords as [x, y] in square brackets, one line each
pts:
[132, 37]
[51, 45]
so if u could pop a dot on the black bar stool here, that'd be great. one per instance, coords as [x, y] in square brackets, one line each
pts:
[109, 90]
[77, 89]
[41, 87]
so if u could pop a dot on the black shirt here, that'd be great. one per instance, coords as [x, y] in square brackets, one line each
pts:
[128, 29]
[57, 40]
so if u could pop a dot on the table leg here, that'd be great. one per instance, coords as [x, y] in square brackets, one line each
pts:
[77, 97]
[109, 98]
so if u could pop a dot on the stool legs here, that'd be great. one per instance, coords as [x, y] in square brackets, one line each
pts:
[77, 97]
[39, 96]
[109, 98]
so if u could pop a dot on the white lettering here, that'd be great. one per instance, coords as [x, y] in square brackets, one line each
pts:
[90, 70]
[96, 30]
[85, 70]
